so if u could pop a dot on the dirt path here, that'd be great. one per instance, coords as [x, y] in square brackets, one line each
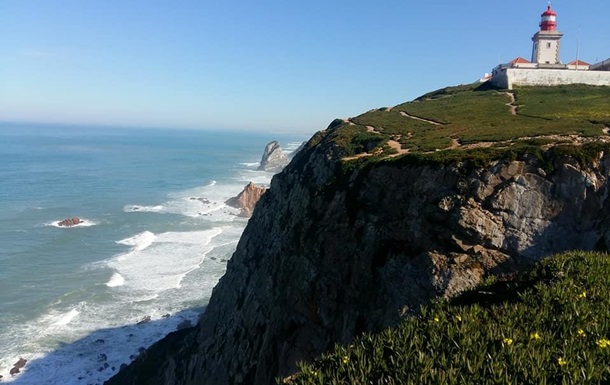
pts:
[513, 107]
[396, 146]
[407, 115]
[392, 143]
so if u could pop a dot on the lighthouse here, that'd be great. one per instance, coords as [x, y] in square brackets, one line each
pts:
[547, 41]
[546, 69]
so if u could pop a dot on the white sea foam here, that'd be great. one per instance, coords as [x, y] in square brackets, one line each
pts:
[66, 318]
[250, 164]
[257, 177]
[144, 209]
[163, 262]
[116, 280]
[139, 242]
[205, 202]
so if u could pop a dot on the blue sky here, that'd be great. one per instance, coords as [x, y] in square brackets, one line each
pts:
[276, 65]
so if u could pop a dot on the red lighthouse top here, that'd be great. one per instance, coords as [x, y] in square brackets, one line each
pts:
[549, 20]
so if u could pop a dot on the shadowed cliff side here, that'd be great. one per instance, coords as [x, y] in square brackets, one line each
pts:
[336, 248]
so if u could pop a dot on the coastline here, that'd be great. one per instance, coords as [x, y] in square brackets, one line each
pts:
[141, 265]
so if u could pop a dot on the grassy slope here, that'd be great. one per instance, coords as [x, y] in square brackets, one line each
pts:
[471, 114]
[549, 326]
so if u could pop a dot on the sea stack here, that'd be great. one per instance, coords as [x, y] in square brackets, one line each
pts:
[246, 200]
[273, 158]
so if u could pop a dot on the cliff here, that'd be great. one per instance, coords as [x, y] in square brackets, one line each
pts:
[357, 232]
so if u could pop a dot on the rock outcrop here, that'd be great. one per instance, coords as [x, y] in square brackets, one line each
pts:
[246, 199]
[70, 222]
[20, 364]
[273, 159]
[336, 249]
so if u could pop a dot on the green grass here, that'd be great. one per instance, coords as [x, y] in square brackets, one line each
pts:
[472, 113]
[549, 326]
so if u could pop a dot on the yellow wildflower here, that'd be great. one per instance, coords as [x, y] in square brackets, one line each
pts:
[436, 319]
[561, 361]
[535, 336]
[507, 341]
[582, 295]
[458, 317]
[581, 333]
[345, 359]
[603, 343]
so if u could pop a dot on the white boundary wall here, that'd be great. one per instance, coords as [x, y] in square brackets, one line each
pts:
[548, 77]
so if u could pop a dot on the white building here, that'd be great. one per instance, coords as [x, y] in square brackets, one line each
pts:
[545, 67]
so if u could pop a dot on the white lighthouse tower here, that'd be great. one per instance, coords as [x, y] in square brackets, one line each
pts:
[547, 40]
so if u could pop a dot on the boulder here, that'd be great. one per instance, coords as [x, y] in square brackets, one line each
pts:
[70, 222]
[273, 158]
[17, 366]
[246, 200]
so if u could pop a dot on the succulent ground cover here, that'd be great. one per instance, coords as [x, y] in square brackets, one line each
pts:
[548, 326]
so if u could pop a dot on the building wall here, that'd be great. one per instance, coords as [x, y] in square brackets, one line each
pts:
[546, 47]
[546, 77]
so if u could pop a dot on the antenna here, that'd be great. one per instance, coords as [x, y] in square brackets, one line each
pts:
[578, 49]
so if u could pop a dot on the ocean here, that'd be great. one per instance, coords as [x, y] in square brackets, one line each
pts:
[79, 302]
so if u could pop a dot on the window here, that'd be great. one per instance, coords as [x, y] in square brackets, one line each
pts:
[548, 45]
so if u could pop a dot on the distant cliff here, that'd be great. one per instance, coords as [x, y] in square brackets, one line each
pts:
[352, 236]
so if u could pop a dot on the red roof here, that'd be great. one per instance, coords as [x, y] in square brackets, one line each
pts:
[578, 63]
[518, 60]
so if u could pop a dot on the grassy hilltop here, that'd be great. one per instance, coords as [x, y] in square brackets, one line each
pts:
[548, 326]
[472, 121]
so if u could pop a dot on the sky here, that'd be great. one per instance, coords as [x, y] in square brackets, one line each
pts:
[276, 65]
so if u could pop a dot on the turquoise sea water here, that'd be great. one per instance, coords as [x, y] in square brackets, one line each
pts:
[155, 239]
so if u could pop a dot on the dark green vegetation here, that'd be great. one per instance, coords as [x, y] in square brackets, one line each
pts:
[465, 116]
[549, 326]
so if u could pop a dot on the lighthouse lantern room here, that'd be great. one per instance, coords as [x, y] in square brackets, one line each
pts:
[547, 41]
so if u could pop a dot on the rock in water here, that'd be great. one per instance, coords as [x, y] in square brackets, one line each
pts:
[70, 222]
[246, 200]
[273, 159]
[18, 365]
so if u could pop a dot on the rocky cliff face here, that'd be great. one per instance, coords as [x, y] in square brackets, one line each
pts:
[333, 251]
